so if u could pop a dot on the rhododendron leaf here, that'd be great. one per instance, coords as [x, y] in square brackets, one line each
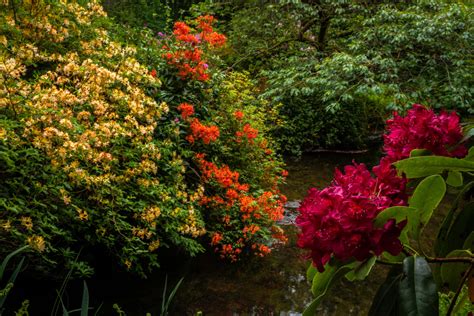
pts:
[452, 272]
[362, 270]
[311, 272]
[470, 154]
[322, 281]
[420, 152]
[454, 179]
[399, 213]
[388, 257]
[385, 302]
[469, 243]
[468, 133]
[418, 167]
[425, 199]
[311, 309]
[417, 291]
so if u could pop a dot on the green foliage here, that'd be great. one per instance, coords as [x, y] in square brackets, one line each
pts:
[339, 67]
[154, 14]
[463, 307]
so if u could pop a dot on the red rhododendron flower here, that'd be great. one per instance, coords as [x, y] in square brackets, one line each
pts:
[422, 128]
[338, 220]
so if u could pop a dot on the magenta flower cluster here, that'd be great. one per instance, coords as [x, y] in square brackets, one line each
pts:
[337, 221]
[422, 128]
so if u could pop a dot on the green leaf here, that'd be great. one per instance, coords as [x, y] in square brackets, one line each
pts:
[452, 272]
[385, 302]
[428, 194]
[85, 300]
[9, 257]
[469, 242]
[418, 292]
[420, 152]
[454, 179]
[418, 167]
[322, 281]
[12, 281]
[311, 309]
[399, 213]
[362, 270]
[311, 272]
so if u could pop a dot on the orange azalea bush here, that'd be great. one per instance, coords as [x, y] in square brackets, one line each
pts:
[100, 151]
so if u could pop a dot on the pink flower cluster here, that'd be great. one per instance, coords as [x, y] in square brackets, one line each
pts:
[422, 128]
[338, 221]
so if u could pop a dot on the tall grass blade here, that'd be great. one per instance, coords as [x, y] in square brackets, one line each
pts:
[12, 280]
[9, 257]
[85, 301]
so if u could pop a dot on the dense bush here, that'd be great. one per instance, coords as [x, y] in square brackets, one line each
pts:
[96, 151]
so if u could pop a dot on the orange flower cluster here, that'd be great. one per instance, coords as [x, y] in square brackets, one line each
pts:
[239, 115]
[207, 32]
[199, 131]
[248, 132]
[247, 212]
[186, 110]
[188, 57]
[261, 250]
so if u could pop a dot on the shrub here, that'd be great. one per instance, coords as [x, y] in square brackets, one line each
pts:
[95, 148]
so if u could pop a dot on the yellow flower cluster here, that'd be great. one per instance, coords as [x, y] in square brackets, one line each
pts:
[89, 112]
[36, 242]
[191, 226]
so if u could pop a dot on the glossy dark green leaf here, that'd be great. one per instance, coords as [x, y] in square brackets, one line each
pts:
[427, 196]
[454, 179]
[452, 272]
[418, 293]
[423, 166]
[361, 270]
[385, 302]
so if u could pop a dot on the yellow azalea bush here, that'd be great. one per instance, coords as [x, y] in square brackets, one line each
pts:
[78, 104]
[102, 144]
